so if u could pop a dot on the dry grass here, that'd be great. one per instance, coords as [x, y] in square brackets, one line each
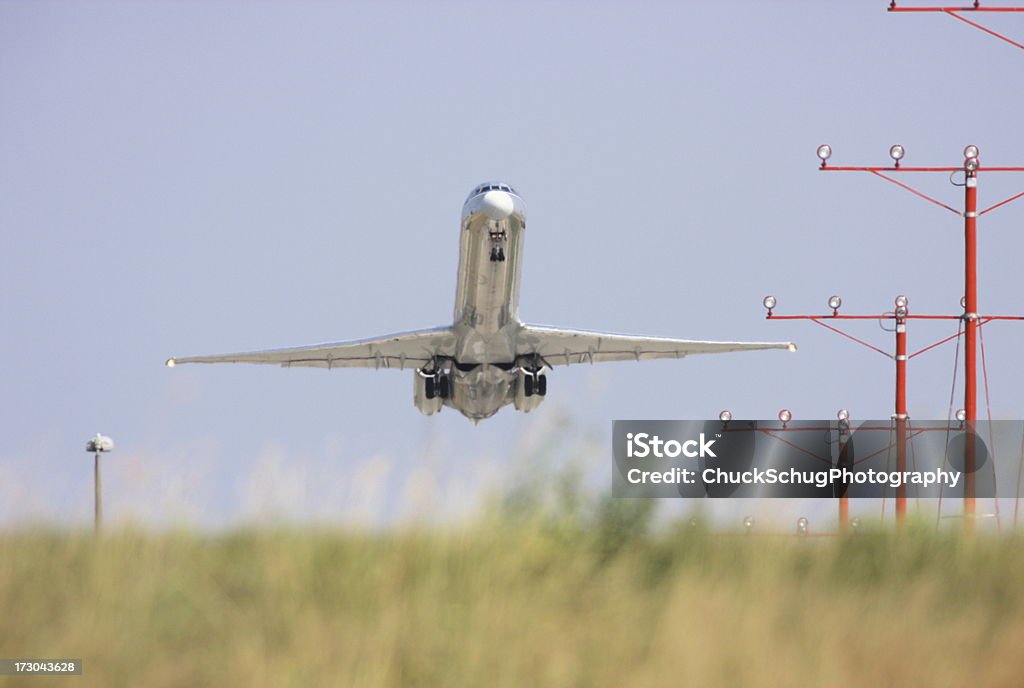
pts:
[530, 604]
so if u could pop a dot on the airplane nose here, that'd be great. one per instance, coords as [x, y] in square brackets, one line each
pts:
[497, 205]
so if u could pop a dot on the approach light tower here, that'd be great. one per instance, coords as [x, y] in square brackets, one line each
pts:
[971, 320]
[899, 316]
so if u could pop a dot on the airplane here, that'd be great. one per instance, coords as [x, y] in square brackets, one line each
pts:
[487, 358]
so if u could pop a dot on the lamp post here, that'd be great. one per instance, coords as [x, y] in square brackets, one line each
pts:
[100, 444]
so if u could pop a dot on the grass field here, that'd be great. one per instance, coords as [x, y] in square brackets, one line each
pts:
[515, 604]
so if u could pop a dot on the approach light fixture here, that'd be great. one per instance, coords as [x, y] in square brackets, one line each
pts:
[963, 302]
[855, 524]
[785, 415]
[834, 302]
[748, 523]
[971, 164]
[971, 152]
[769, 303]
[961, 415]
[725, 416]
[824, 153]
[902, 301]
[801, 526]
[843, 414]
[896, 152]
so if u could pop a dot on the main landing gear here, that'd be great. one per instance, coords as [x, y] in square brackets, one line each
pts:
[431, 387]
[531, 387]
[535, 384]
[437, 385]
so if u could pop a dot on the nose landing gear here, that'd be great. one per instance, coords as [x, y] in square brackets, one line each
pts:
[497, 249]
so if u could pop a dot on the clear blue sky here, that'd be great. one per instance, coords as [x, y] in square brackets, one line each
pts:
[185, 178]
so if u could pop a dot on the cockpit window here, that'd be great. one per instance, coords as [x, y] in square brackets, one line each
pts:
[484, 188]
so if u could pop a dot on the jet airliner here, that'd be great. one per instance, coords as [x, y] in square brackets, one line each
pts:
[487, 358]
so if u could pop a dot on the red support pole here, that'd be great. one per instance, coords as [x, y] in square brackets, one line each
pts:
[901, 410]
[970, 336]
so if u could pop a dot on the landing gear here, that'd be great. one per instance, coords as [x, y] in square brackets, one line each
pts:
[497, 250]
[531, 387]
[437, 385]
[535, 385]
[431, 387]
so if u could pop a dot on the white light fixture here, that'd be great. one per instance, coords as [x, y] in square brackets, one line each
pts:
[725, 416]
[843, 414]
[902, 301]
[801, 526]
[971, 164]
[785, 415]
[971, 152]
[896, 152]
[824, 153]
[769, 302]
[834, 302]
[748, 523]
[855, 524]
[963, 302]
[961, 415]
[99, 443]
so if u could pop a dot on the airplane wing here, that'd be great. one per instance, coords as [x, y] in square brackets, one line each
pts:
[392, 351]
[565, 347]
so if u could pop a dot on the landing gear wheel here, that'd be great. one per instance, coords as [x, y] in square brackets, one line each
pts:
[430, 388]
[444, 387]
[542, 385]
[494, 254]
[528, 386]
[501, 255]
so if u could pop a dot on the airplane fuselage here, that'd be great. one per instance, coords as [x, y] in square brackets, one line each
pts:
[484, 373]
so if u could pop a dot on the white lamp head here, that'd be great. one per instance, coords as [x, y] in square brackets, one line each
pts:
[896, 152]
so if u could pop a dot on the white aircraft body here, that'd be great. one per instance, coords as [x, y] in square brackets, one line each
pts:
[487, 358]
